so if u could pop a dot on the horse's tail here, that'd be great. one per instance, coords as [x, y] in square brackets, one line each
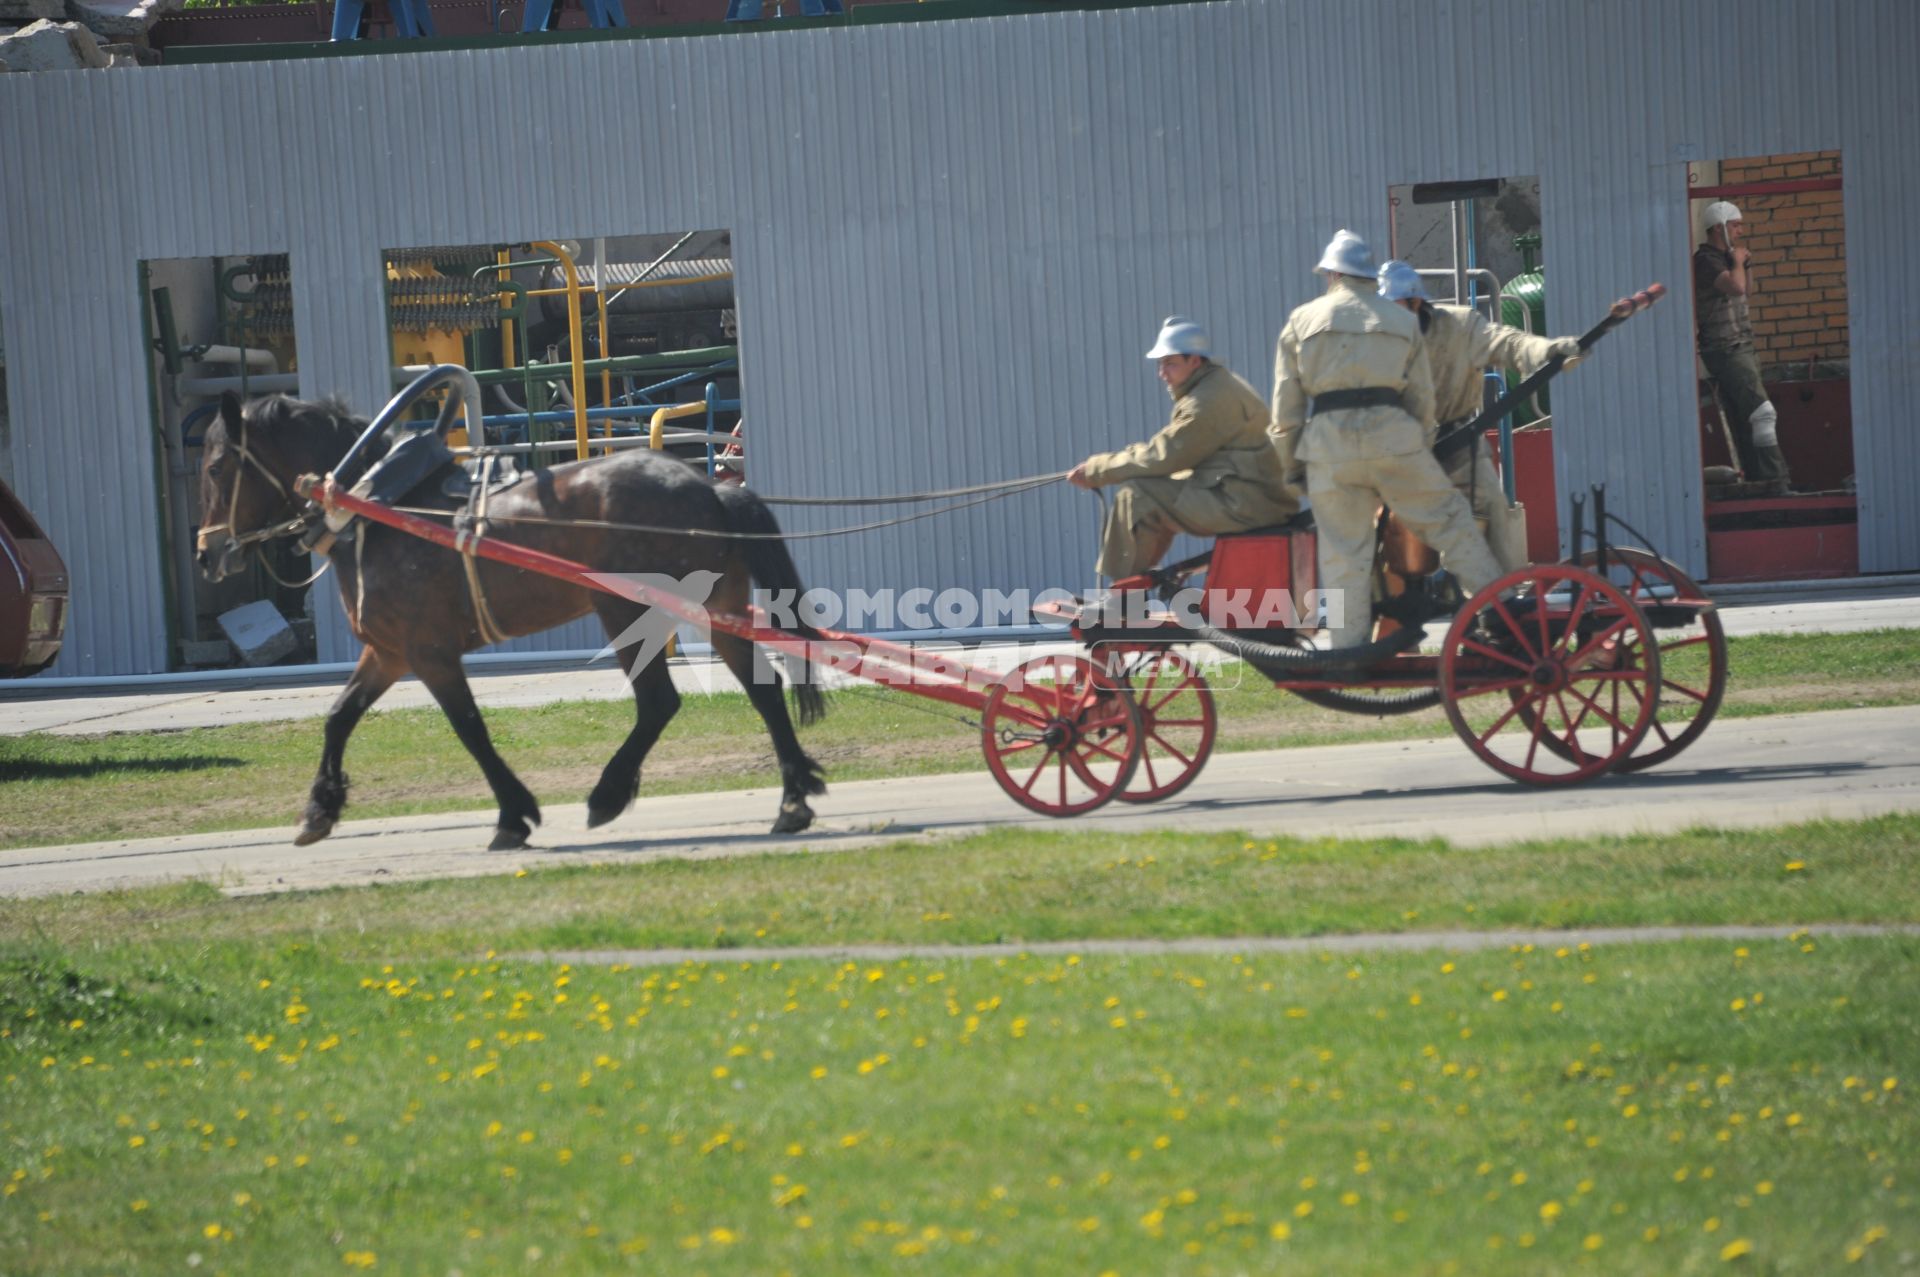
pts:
[772, 568]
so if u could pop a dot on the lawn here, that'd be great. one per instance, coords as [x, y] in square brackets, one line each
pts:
[1023, 885]
[386, 1078]
[86, 788]
[1634, 1109]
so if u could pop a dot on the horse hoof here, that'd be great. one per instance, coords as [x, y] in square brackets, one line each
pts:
[312, 833]
[793, 819]
[508, 840]
[598, 816]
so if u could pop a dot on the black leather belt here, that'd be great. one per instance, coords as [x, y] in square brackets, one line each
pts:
[1363, 397]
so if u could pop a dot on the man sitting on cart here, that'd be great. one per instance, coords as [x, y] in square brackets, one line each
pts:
[1353, 402]
[1210, 469]
[1461, 345]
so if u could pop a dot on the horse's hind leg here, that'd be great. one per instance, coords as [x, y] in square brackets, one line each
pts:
[800, 776]
[370, 678]
[655, 704]
[439, 668]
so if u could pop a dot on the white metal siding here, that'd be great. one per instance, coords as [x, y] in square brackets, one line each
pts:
[954, 239]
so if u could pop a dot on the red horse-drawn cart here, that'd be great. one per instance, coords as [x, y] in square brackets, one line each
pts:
[1553, 674]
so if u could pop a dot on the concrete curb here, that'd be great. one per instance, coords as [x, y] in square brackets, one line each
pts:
[1361, 942]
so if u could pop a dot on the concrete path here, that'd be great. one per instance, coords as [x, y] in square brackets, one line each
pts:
[1741, 773]
[1359, 942]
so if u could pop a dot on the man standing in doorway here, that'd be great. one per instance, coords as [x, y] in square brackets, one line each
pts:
[1720, 288]
[1211, 469]
[1353, 401]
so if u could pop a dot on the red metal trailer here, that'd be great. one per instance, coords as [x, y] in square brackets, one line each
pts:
[33, 592]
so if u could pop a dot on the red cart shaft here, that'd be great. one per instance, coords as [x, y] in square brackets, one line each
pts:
[938, 676]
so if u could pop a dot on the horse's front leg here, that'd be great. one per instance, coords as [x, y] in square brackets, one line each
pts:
[439, 668]
[370, 678]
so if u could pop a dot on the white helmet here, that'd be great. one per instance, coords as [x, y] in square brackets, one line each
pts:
[1719, 213]
[1180, 336]
[1347, 254]
[1399, 281]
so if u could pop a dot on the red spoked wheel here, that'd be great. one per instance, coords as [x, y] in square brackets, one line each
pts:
[1551, 675]
[1060, 737]
[1693, 650]
[1178, 722]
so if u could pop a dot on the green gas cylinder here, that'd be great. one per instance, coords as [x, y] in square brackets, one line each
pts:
[1523, 305]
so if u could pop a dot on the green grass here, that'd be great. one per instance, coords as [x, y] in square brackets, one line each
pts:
[87, 788]
[1633, 1109]
[1020, 885]
[320, 1081]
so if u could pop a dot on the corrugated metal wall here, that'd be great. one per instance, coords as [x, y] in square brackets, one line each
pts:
[954, 239]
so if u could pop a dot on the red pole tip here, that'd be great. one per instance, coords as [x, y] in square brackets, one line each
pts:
[1656, 291]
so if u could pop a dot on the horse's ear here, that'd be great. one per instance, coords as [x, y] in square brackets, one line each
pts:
[230, 413]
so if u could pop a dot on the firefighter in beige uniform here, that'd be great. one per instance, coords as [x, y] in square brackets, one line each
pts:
[1461, 346]
[1211, 469]
[1353, 402]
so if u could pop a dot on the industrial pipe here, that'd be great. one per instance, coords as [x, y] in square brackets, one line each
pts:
[576, 341]
[656, 437]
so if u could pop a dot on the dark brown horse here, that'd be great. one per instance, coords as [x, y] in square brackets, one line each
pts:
[410, 602]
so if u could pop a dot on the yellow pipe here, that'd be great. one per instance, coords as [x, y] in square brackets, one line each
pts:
[656, 437]
[575, 339]
[650, 283]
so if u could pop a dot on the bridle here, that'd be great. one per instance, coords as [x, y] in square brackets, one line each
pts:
[237, 540]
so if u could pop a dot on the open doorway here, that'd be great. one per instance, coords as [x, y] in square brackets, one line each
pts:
[1772, 347]
[1477, 246]
[581, 346]
[222, 324]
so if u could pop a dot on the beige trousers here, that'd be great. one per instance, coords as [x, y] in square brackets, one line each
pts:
[1504, 526]
[1347, 496]
[1144, 515]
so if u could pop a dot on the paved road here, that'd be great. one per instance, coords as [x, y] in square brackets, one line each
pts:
[1742, 773]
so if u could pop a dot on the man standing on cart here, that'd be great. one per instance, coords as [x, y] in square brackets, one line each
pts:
[1210, 469]
[1353, 405]
[1461, 345]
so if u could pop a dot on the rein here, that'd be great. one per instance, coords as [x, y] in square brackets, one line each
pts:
[993, 491]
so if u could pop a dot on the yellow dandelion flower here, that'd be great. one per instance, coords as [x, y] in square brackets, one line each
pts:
[1795, 866]
[1592, 1241]
[1550, 1211]
[1736, 1248]
[1280, 1231]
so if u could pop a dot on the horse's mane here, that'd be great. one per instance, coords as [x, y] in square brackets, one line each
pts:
[326, 426]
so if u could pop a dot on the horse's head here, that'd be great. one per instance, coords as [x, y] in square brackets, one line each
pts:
[250, 460]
